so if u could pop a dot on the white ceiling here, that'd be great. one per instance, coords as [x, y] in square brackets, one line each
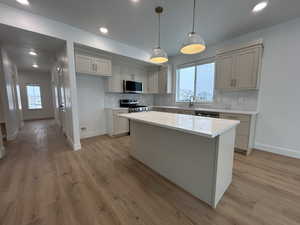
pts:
[135, 24]
[19, 42]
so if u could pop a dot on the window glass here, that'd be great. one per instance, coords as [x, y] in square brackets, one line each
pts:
[186, 83]
[205, 82]
[196, 81]
[34, 97]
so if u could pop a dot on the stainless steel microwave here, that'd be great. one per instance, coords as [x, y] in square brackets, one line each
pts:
[132, 86]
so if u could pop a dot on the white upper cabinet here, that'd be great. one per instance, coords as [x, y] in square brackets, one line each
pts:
[160, 81]
[247, 68]
[165, 80]
[224, 71]
[103, 66]
[84, 64]
[239, 68]
[93, 65]
[124, 71]
[153, 82]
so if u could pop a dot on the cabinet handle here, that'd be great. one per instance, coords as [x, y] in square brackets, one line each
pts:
[231, 83]
[234, 82]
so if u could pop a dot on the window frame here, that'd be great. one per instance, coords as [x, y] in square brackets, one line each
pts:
[194, 64]
[27, 97]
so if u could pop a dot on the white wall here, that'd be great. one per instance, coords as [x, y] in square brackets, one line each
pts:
[28, 21]
[92, 101]
[278, 99]
[8, 94]
[90, 92]
[44, 80]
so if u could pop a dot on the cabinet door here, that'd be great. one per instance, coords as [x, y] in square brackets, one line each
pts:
[162, 81]
[224, 69]
[121, 125]
[102, 66]
[246, 69]
[153, 82]
[141, 76]
[84, 64]
[115, 83]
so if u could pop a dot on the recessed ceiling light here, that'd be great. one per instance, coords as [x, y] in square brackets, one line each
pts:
[135, 1]
[35, 66]
[33, 53]
[260, 6]
[103, 30]
[23, 2]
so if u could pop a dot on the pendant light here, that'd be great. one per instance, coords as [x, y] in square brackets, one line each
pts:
[158, 55]
[193, 43]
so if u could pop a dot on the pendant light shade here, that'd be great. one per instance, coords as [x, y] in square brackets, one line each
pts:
[193, 43]
[158, 54]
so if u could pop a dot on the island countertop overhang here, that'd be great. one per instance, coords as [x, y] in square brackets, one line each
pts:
[197, 125]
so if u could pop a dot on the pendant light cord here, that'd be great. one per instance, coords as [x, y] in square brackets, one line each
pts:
[159, 30]
[194, 9]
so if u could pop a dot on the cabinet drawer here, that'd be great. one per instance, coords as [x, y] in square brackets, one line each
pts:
[239, 117]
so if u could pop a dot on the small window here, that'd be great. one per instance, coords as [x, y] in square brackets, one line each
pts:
[196, 81]
[34, 96]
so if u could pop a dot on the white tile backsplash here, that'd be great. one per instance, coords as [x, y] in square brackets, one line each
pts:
[236, 100]
[112, 99]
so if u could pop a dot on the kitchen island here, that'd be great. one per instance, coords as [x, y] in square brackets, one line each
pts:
[195, 153]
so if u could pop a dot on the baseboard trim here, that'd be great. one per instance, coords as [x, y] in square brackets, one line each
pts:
[278, 150]
[13, 136]
[91, 134]
[75, 147]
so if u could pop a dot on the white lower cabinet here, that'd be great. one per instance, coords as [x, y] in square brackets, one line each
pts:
[245, 131]
[115, 124]
[244, 140]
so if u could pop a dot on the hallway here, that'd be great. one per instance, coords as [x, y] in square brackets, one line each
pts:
[28, 170]
[43, 182]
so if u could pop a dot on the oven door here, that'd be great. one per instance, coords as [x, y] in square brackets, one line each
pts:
[132, 86]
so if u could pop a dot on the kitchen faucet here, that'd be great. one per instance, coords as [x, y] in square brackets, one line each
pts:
[192, 101]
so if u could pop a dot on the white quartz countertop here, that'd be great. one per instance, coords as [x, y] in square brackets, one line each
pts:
[203, 126]
[210, 110]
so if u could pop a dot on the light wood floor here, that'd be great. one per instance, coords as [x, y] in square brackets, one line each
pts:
[43, 182]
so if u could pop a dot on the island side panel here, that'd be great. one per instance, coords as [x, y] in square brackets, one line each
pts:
[185, 159]
[224, 164]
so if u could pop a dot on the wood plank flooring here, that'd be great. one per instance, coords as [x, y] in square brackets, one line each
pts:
[43, 182]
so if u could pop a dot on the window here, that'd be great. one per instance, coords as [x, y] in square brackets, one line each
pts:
[196, 81]
[34, 96]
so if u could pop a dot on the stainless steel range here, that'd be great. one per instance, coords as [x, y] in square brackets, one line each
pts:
[133, 105]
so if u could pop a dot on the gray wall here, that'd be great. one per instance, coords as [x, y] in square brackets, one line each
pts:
[44, 80]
